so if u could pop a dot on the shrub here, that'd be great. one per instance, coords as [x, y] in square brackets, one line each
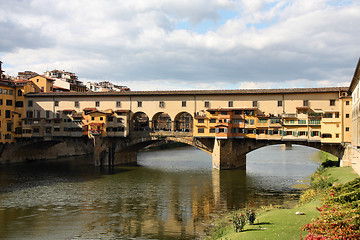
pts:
[239, 221]
[251, 216]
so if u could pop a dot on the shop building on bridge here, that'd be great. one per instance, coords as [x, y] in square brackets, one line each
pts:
[311, 114]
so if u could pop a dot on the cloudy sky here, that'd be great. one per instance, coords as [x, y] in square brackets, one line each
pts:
[185, 44]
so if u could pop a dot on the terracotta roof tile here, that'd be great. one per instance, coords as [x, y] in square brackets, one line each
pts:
[194, 92]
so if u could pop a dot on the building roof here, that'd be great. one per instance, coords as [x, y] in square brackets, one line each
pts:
[43, 77]
[355, 79]
[231, 109]
[193, 92]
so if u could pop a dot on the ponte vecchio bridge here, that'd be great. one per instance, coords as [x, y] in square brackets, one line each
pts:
[224, 123]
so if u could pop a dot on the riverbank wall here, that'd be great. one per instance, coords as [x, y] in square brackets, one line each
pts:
[351, 158]
[30, 150]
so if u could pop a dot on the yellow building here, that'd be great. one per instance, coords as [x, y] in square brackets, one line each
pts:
[7, 111]
[43, 83]
[310, 114]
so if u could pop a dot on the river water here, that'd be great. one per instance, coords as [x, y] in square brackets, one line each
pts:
[172, 194]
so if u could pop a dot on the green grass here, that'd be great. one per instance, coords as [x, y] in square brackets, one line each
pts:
[282, 223]
[342, 175]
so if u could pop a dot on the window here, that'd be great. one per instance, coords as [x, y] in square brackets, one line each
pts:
[212, 130]
[332, 102]
[118, 104]
[223, 113]
[237, 112]
[47, 114]
[305, 103]
[19, 104]
[280, 103]
[19, 93]
[252, 121]
[161, 104]
[347, 129]
[97, 104]
[238, 121]
[212, 120]
[183, 103]
[262, 121]
[8, 102]
[29, 114]
[9, 126]
[328, 115]
[200, 120]
[5, 91]
[1, 102]
[337, 135]
[30, 103]
[347, 103]
[11, 92]
[301, 121]
[275, 120]
[347, 115]
[36, 130]
[42, 89]
[110, 119]
[254, 103]
[56, 103]
[7, 113]
[92, 118]
[207, 104]
[337, 115]
[101, 118]
[201, 130]
[76, 104]
[326, 135]
[38, 114]
[230, 104]
[139, 103]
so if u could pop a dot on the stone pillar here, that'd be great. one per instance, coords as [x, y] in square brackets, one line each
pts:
[172, 126]
[288, 145]
[125, 158]
[97, 140]
[227, 154]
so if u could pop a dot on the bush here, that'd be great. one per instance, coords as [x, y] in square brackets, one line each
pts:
[340, 217]
[251, 216]
[239, 221]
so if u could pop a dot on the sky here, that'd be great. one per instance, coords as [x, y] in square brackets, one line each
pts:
[185, 44]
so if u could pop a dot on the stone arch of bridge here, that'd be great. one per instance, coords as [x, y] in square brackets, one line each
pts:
[140, 122]
[335, 149]
[140, 143]
[161, 121]
[183, 122]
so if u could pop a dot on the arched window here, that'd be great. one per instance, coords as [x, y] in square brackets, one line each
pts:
[19, 93]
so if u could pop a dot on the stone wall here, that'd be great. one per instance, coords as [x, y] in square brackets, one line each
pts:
[31, 150]
[351, 158]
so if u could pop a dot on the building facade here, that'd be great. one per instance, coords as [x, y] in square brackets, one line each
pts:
[315, 114]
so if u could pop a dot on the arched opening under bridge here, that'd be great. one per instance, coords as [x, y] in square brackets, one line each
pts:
[183, 122]
[161, 122]
[140, 122]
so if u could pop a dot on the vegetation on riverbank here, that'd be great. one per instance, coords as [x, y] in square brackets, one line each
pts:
[331, 203]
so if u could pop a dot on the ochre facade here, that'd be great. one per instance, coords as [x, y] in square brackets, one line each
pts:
[322, 114]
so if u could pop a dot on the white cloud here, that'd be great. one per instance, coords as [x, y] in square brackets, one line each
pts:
[265, 44]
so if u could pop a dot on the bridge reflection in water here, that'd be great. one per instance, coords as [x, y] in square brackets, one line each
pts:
[172, 195]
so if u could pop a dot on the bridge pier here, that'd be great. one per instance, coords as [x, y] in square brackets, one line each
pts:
[227, 154]
[106, 154]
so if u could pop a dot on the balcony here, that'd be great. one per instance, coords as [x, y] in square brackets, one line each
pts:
[315, 114]
[289, 115]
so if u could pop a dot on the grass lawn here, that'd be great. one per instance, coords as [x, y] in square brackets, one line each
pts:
[284, 223]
